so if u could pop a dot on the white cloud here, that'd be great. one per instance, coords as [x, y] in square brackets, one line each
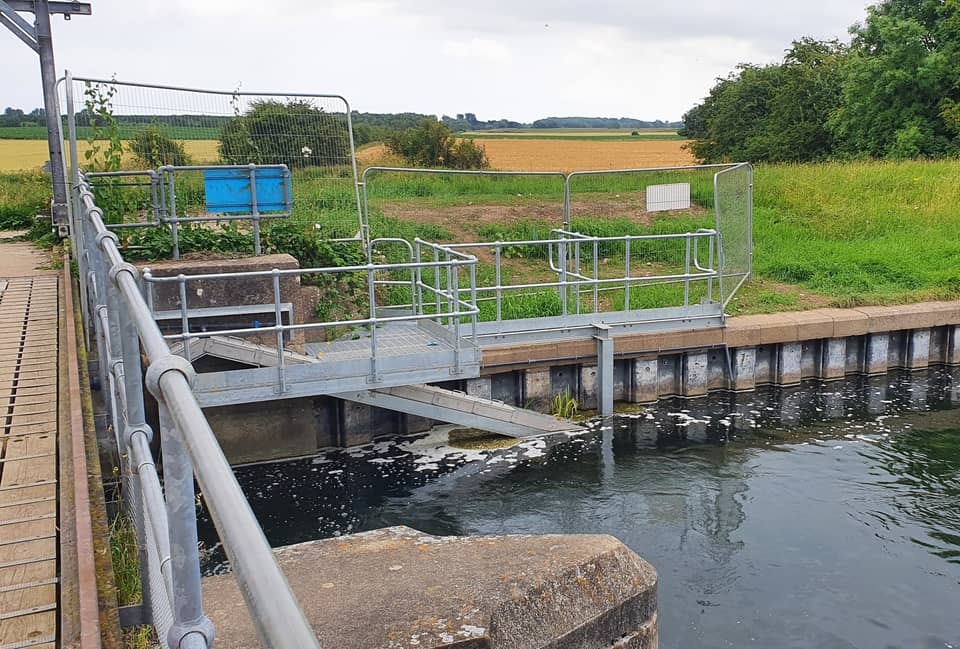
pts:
[498, 58]
[483, 49]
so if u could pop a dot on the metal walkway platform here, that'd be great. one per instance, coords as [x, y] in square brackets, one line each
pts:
[405, 353]
[29, 313]
[416, 399]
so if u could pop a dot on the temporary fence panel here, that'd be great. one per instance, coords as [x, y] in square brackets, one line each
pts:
[734, 222]
[461, 205]
[116, 125]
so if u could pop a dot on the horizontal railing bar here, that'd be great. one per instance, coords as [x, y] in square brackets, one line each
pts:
[468, 310]
[208, 91]
[285, 272]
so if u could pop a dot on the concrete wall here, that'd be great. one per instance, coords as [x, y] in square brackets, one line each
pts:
[781, 349]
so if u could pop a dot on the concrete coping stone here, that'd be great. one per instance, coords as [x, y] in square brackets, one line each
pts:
[399, 588]
[170, 267]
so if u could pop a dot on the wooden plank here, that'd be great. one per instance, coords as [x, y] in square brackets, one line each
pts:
[28, 463]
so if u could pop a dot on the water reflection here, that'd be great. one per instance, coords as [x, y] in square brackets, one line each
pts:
[825, 515]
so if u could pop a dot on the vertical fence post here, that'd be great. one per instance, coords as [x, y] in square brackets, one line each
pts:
[418, 295]
[255, 210]
[278, 322]
[184, 316]
[710, 266]
[686, 272]
[562, 251]
[596, 276]
[174, 221]
[626, 276]
[457, 361]
[372, 296]
[498, 252]
[188, 616]
[135, 417]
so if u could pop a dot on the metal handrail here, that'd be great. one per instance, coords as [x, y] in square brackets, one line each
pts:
[276, 614]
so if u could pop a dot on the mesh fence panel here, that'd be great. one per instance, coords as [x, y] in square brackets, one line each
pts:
[152, 582]
[462, 206]
[734, 214]
[122, 125]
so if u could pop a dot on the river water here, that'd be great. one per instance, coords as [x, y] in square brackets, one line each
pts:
[824, 516]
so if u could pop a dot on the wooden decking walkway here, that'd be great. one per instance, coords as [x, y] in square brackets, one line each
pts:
[29, 544]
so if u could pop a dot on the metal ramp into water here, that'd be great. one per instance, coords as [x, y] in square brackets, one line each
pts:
[311, 375]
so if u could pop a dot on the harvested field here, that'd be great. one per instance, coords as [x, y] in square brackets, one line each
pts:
[23, 155]
[558, 155]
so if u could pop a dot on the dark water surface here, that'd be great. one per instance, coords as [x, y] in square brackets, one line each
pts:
[824, 516]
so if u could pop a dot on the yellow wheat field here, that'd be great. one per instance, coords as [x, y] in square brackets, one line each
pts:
[559, 155]
[19, 155]
[507, 154]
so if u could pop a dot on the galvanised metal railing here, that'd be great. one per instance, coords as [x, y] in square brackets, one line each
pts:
[443, 301]
[568, 253]
[166, 210]
[165, 518]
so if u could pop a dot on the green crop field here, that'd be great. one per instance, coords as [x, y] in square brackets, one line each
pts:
[125, 131]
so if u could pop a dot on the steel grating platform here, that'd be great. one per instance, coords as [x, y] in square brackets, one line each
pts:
[407, 353]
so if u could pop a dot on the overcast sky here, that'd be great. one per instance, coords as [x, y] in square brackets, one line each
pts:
[515, 59]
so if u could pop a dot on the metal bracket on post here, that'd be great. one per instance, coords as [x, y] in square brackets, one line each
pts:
[604, 368]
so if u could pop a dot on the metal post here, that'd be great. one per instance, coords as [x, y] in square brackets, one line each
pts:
[686, 272]
[135, 420]
[372, 296]
[497, 254]
[596, 276]
[188, 617]
[710, 266]
[562, 251]
[626, 275]
[184, 316]
[278, 321]
[255, 210]
[604, 368]
[174, 224]
[48, 76]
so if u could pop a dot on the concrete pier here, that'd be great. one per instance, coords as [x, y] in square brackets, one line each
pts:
[401, 589]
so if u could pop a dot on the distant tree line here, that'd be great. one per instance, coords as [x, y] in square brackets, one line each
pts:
[15, 117]
[602, 123]
[893, 92]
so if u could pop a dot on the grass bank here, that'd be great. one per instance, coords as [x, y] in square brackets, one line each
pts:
[839, 234]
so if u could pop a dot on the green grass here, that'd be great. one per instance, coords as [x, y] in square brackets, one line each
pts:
[22, 196]
[842, 234]
[860, 233]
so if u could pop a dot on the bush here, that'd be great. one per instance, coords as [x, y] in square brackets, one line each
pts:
[430, 144]
[295, 133]
[154, 148]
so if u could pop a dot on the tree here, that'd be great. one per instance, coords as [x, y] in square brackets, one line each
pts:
[902, 87]
[773, 113]
[431, 144]
[154, 148]
[295, 133]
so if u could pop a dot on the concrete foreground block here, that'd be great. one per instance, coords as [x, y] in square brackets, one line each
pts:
[403, 589]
